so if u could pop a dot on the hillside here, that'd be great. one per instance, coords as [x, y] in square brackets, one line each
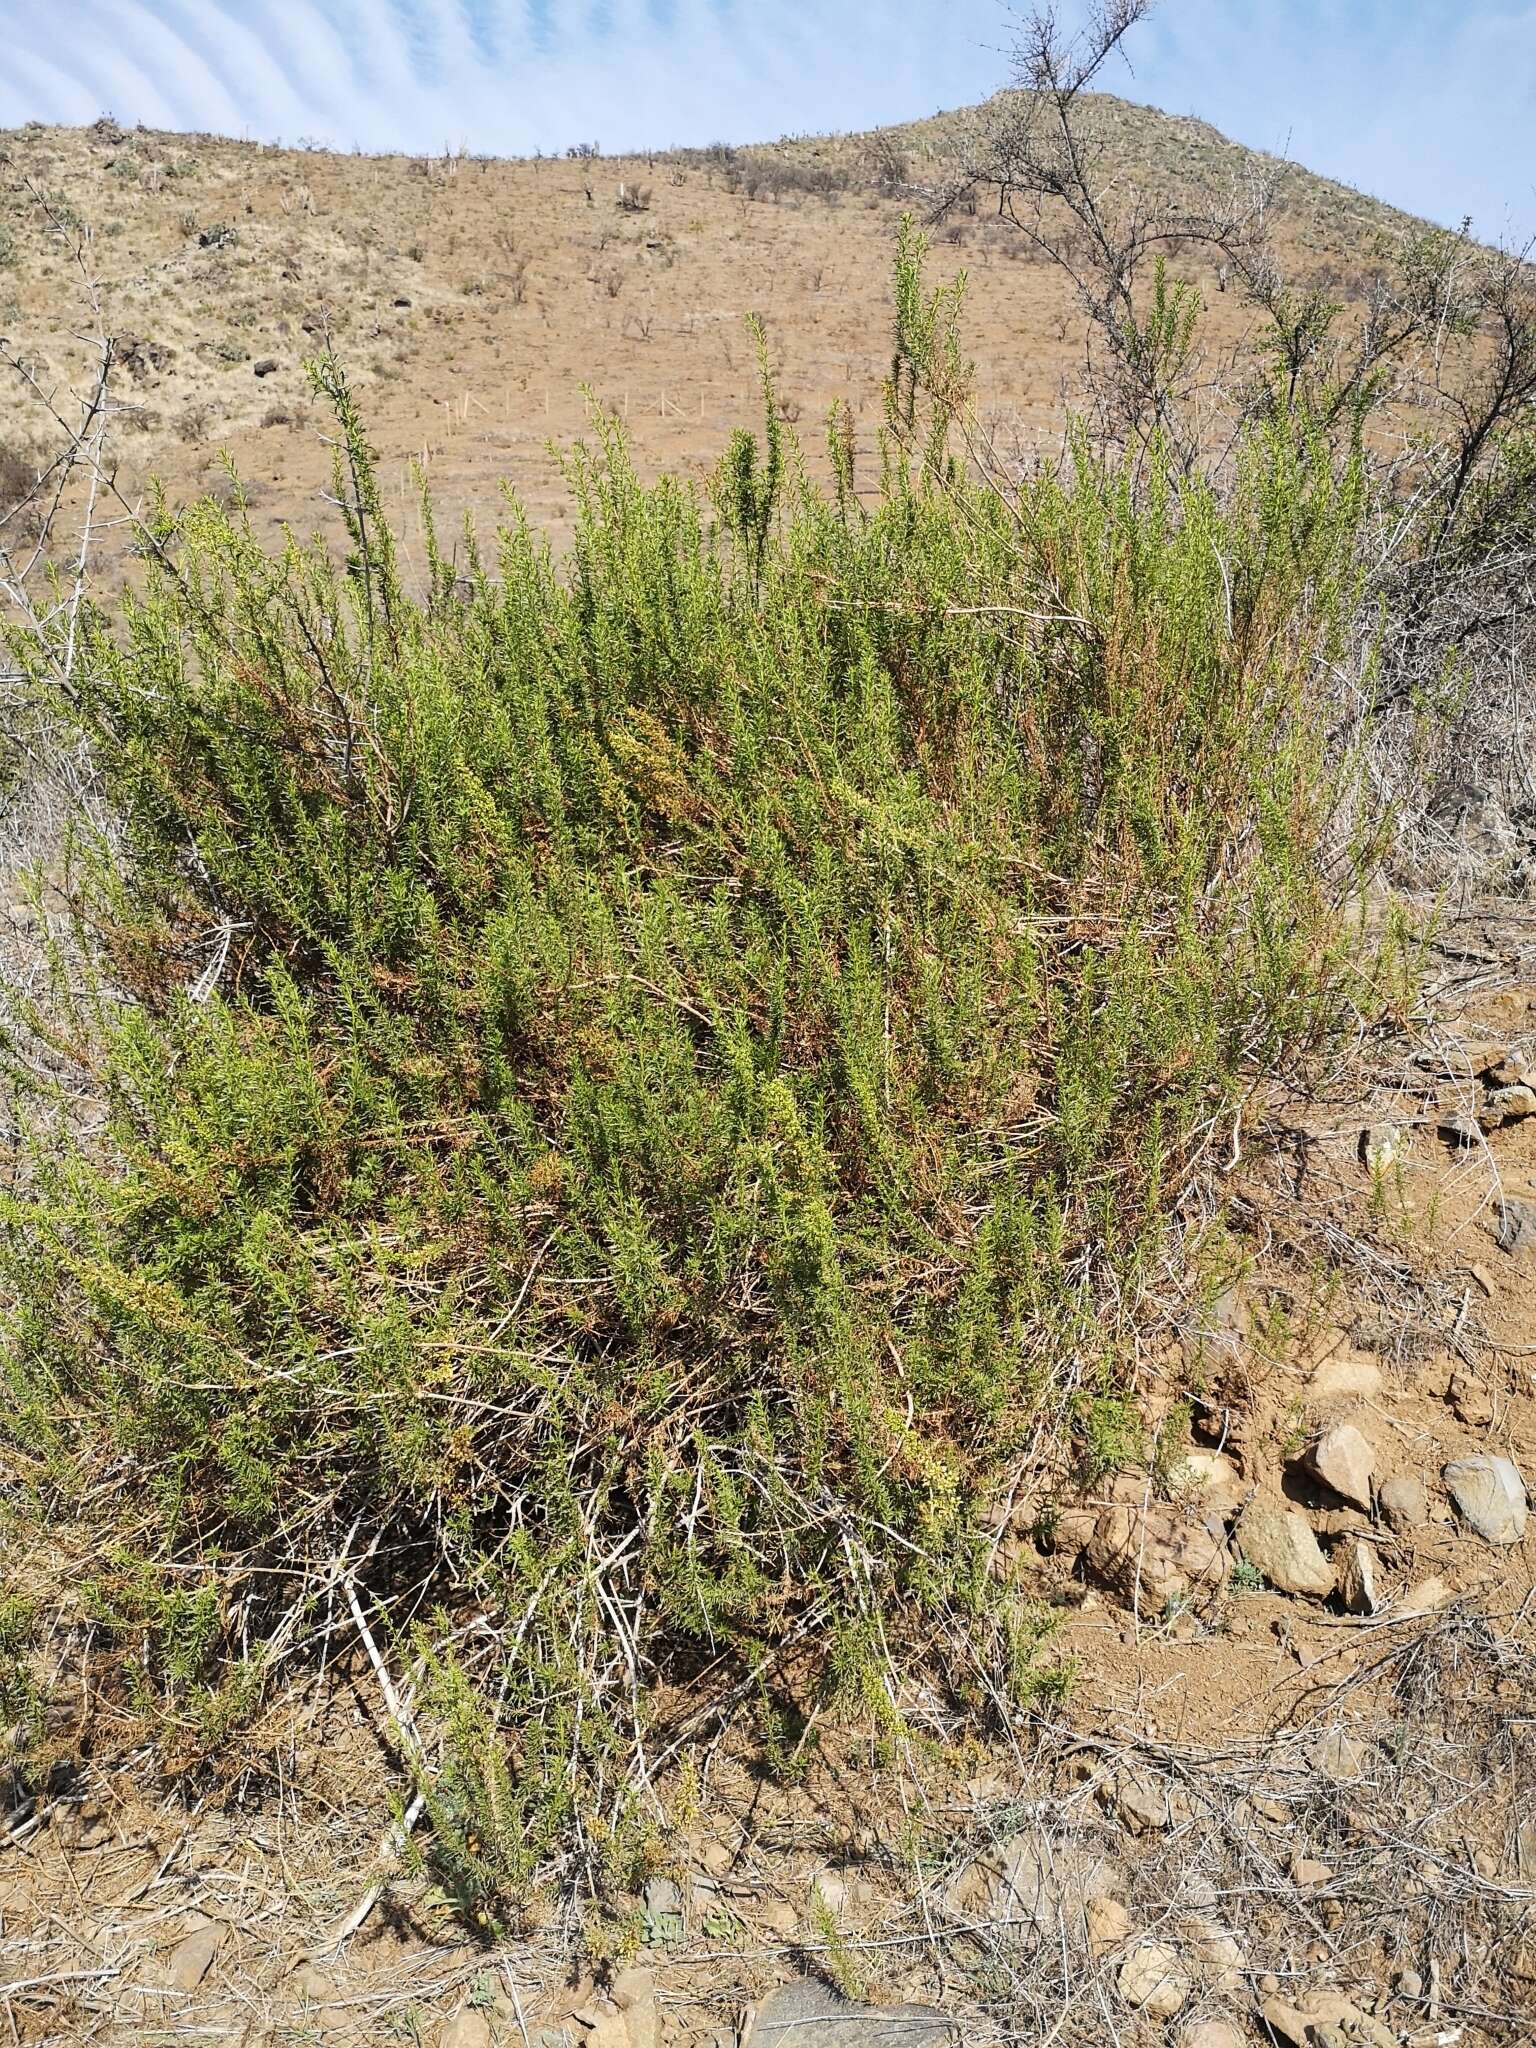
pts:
[767, 1281]
[476, 301]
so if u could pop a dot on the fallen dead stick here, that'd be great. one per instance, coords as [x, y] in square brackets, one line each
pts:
[393, 1841]
[399, 1833]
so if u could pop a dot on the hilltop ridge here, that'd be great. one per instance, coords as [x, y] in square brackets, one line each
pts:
[481, 304]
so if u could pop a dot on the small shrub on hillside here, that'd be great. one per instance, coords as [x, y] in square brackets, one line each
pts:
[635, 1089]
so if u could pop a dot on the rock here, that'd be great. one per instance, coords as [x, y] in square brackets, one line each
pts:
[1511, 1103]
[809, 2015]
[1152, 1980]
[1513, 1227]
[1345, 1461]
[716, 1858]
[401, 299]
[1042, 1887]
[193, 1955]
[1461, 1130]
[602, 2026]
[1382, 1145]
[634, 1993]
[1212, 2034]
[1143, 1803]
[1469, 1400]
[1424, 1598]
[1152, 1556]
[1307, 1872]
[1355, 1569]
[1109, 1925]
[1278, 1541]
[265, 367]
[311, 1986]
[1215, 1952]
[1301, 2024]
[1343, 1373]
[1491, 1495]
[1404, 1503]
[1212, 1477]
[468, 2029]
[1340, 1757]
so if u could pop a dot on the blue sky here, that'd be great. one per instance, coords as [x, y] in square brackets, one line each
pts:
[1430, 103]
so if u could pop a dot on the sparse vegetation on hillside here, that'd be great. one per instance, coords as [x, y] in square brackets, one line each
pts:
[640, 1168]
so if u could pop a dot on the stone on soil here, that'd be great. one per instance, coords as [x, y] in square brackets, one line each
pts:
[466, 2030]
[1343, 1373]
[1042, 1884]
[1152, 1980]
[1212, 2034]
[1109, 1925]
[1404, 1503]
[1355, 1565]
[810, 2016]
[1345, 1461]
[1300, 2025]
[192, 1956]
[1278, 1542]
[1514, 1225]
[1152, 1556]
[1491, 1495]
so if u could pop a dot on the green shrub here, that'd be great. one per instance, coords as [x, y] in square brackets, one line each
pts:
[635, 1088]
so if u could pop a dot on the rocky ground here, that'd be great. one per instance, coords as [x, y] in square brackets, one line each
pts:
[1289, 1794]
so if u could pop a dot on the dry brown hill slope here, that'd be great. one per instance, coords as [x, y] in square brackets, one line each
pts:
[476, 300]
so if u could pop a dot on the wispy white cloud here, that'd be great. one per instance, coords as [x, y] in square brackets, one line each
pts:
[1432, 103]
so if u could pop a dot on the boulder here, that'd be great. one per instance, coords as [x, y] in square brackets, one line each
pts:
[1278, 1541]
[1152, 1556]
[1345, 1461]
[1491, 1495]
